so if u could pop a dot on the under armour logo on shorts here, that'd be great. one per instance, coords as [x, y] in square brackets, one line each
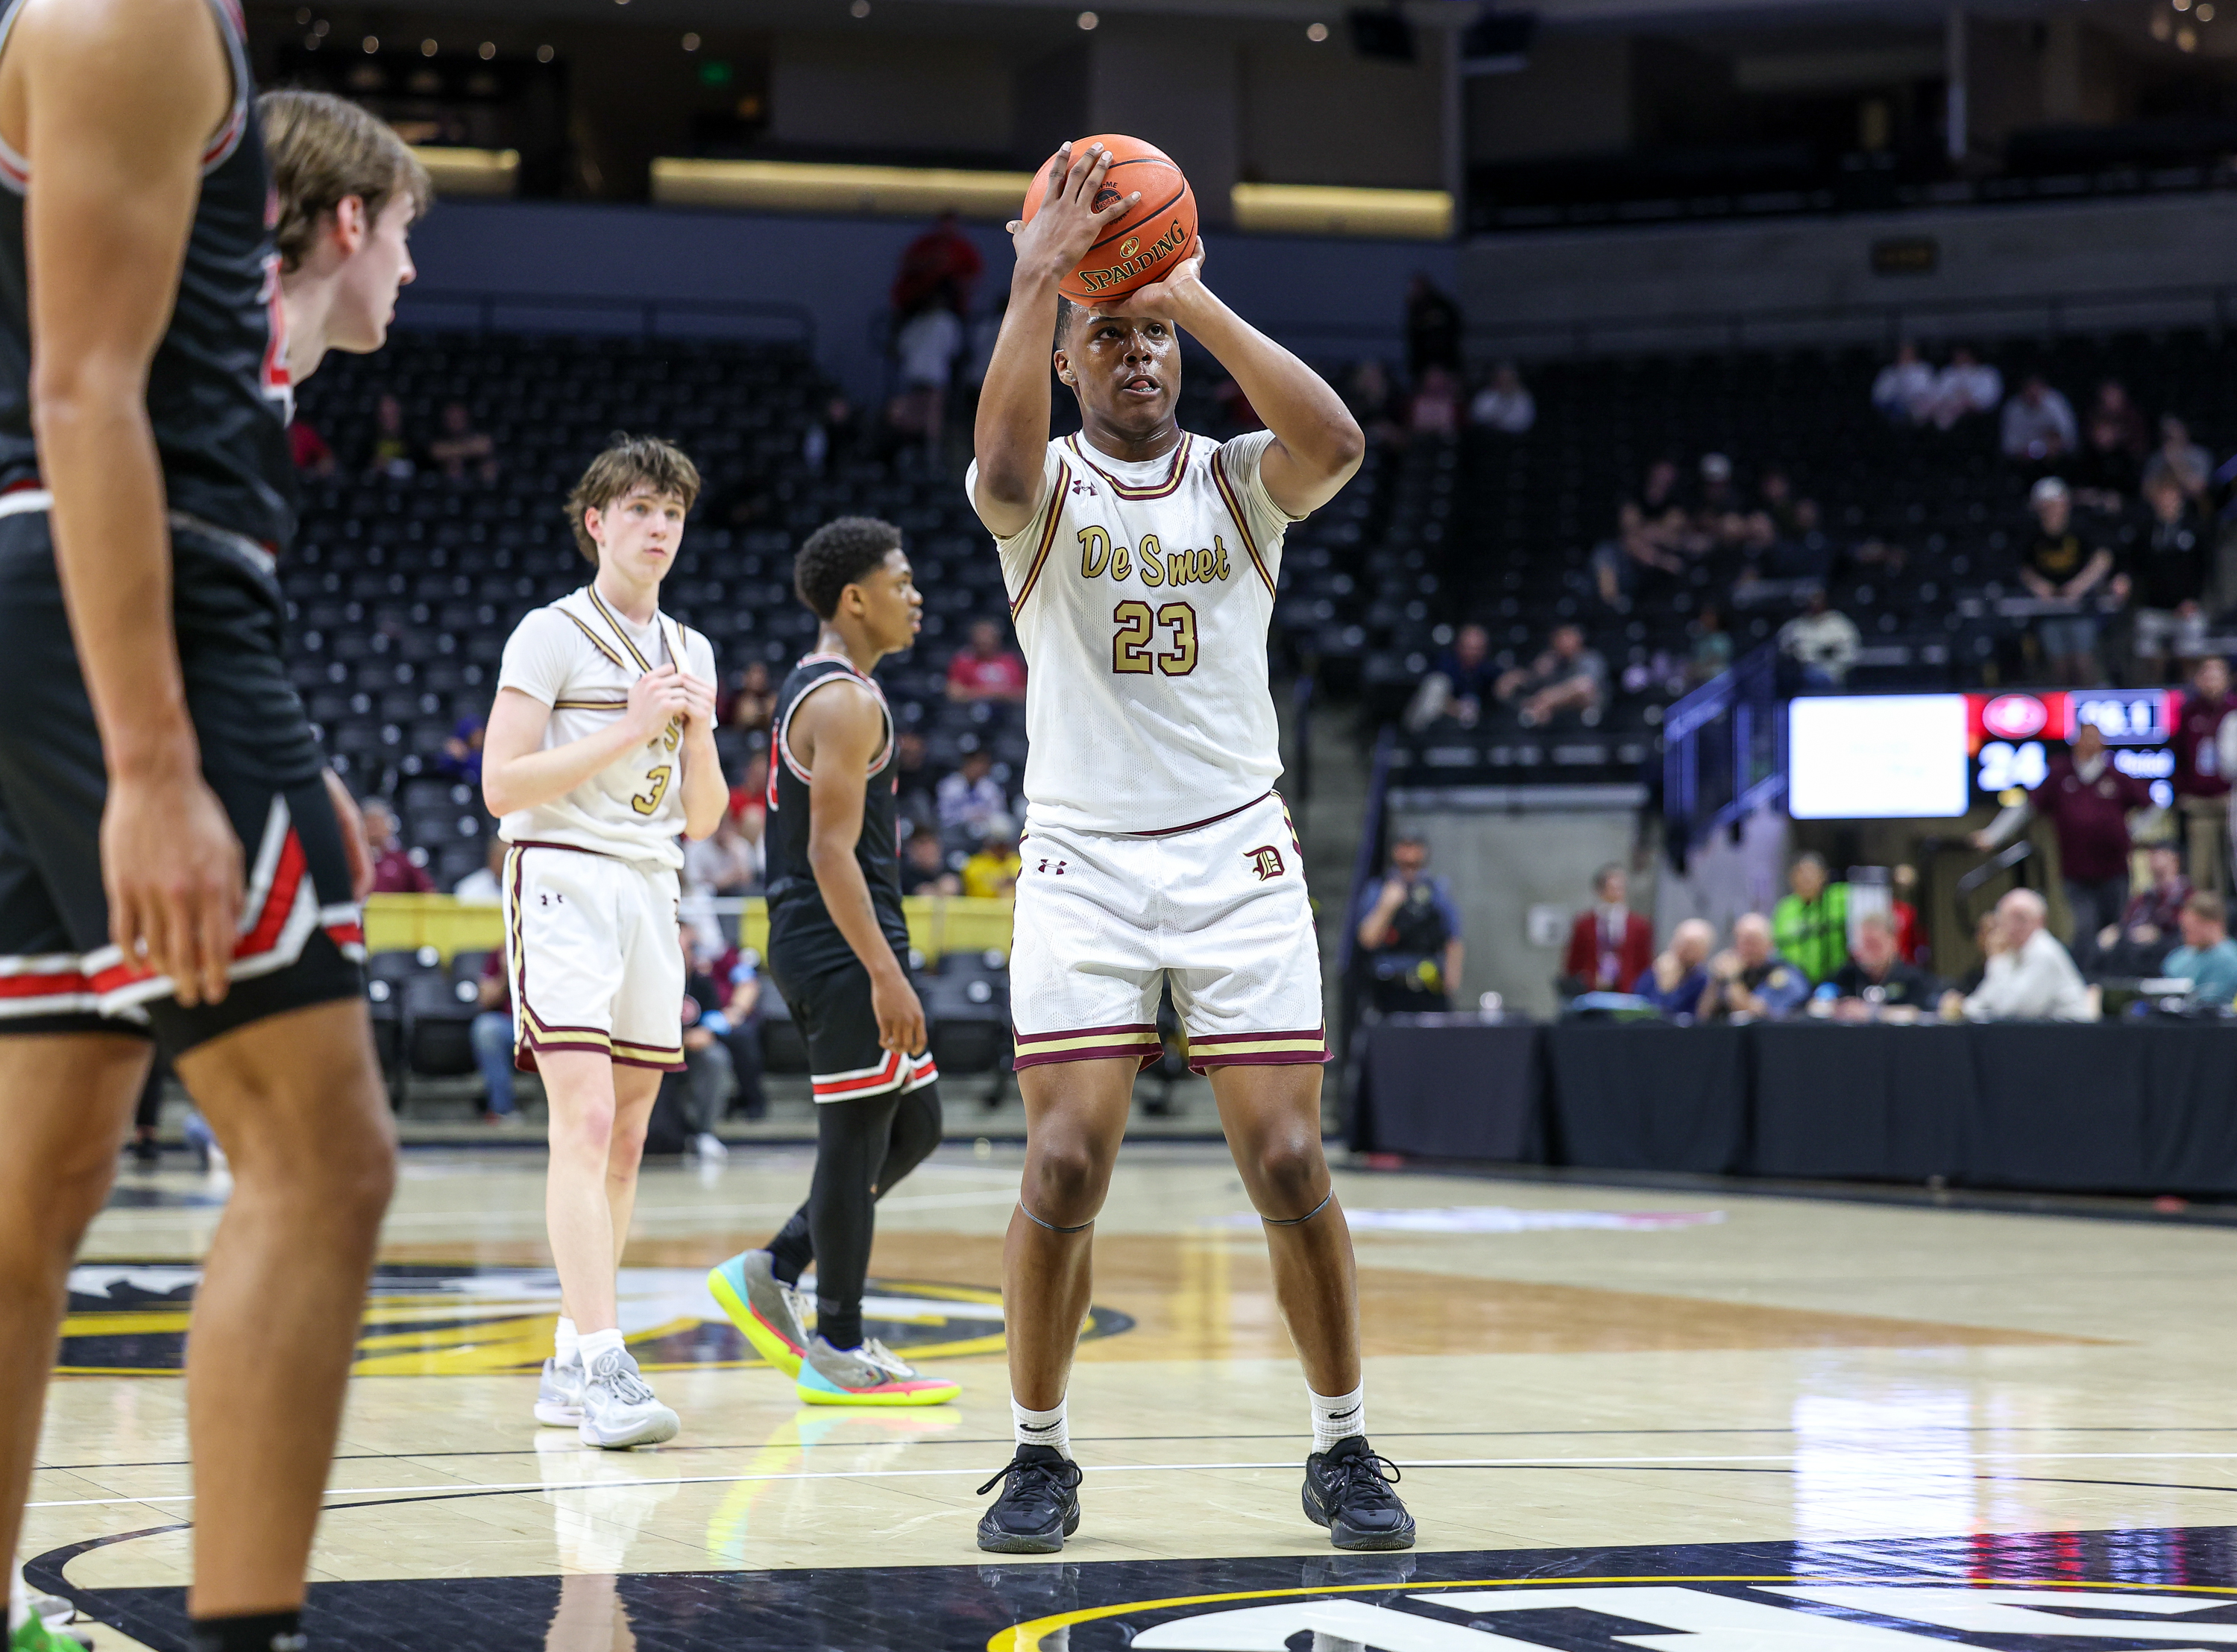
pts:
[1265, 860]
[1044, 866]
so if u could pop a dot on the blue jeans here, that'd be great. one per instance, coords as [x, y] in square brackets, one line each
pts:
[492, 1036]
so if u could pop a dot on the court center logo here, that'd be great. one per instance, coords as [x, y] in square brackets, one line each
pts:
[1692, 1614]
[436, 1320]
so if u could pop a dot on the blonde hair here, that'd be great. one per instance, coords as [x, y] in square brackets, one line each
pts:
[322, 149]
[630, 462]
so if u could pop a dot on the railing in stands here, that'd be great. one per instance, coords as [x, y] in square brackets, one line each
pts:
[1724, 749]
[437, 308]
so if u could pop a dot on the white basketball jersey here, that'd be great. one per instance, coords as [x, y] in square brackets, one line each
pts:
[1141, 594]
[579, 656]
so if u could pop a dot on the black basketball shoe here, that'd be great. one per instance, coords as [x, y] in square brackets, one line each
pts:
[1038, 1508]
[1348, 1491]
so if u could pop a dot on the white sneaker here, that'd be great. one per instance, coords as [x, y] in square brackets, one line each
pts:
[709, 1147]
[559, 1396]
[618, 1407]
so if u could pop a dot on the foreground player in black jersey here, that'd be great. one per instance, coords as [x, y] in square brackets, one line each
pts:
[172, 859]
[839, 952]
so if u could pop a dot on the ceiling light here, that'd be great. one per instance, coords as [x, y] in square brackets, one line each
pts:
[691, 43]
[1088, 20]
[372, 44]
[543, 54]
[2186, 38]
[859, 9]
[428, 48]
[489, 49]
[1317, 32]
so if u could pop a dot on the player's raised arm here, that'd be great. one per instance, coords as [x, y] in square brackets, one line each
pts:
[1317, 445]
[838, 732]
[127, 94]
[1010, 438]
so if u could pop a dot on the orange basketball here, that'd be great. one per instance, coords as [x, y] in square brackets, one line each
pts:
[1143, 244]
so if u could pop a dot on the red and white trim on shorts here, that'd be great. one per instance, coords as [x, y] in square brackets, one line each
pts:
[1257, 1050]
[1139, 1040]
[895, 1071]
[280, 912]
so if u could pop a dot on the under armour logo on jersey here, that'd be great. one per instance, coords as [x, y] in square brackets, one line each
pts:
[1265, 860]
[1087, 488]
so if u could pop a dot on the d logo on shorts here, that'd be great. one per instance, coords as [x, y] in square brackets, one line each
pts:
[1265, 860]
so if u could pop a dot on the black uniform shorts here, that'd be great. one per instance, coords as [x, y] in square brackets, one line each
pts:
[828, 990]
[300, 940]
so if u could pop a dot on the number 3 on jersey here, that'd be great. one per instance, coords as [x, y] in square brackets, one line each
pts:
[646, 802]
[1134, 648]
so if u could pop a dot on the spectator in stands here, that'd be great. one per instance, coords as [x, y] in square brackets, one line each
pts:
[1505, 405]
[1639, 560]
[2059, 565]
[1675, 982]
[941, 260]
[991, 873]
[2207, 957]
[461, 450]
[1711, 652]
[2201, 779]
[924, 867]
[1610, 945]
[749, 802]
[1967, 385]
[739, 972]
[913, 780]
[1458, 684]
[1876, 976]
[708, 1075]
[484, 885]
[830, 436]
[1787, 523]
[2038, 424]
[2169, 566]
[490, 1034]
[753, 701]
[1434, 408]
[1749, 979]
[2029, 976]
[2113, 442]
[925, 349]
[1902, 910]
[1811, 925]
[392, 457]
[971, 797]
[721, 863]
[1433, 328]
[1376, 404]
[2135, 942]
[1822, 642]
[2191, 465]
[1567, 676]
[1409, 930]
[1721, 513]
[2089, 802]
[309, 450]
[1988, 939]
[461, 756]
[1904, 392]
[986, 669]
[394, 871]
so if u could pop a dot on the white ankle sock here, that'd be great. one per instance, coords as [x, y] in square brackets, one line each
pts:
[566, 1346]
[1041, 1427]
[595, 1343]
[19, 1601]
[1337, 1419]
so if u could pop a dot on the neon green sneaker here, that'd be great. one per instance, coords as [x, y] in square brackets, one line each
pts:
[37, 1636]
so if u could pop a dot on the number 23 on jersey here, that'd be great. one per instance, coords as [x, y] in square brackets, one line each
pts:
[1142, 645]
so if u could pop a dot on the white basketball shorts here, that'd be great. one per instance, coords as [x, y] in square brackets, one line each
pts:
[593, 955]
[1105, 921]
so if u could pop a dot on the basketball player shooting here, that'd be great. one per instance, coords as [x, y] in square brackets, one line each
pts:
[1141, 562]
[168, 271]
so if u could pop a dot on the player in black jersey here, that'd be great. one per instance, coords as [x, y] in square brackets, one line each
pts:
[173, 857]
[838, 950]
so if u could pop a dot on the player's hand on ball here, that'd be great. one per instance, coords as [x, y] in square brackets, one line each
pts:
[657, 698]
[171, 868]
[1069, 221]
[1159, 299]
[900, 1018]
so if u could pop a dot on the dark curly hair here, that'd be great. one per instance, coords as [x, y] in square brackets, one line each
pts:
[838, 554]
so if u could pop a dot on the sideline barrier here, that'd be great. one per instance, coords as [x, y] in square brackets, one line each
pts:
[2120, 1107]
[938, 924]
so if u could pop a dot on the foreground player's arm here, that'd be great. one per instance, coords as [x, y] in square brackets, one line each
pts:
[119, 99]
[1010, 440]
[519, 774]
[1317, 445]
[706, 794]
[839, 729]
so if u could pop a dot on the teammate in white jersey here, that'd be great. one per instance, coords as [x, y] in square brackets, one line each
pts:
[1141, 562]
[601, 748]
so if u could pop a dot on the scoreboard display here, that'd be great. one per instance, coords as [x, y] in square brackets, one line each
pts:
[1860, 757]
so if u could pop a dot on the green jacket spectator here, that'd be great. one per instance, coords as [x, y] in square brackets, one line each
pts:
[2207, 957]
[1811, 926]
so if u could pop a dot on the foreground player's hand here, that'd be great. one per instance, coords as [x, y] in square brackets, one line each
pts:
[171, 868]
[355, 850]
[1069, 221]
[657, 698]
[900, 1018]
[1161, 300]
[699, 704]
